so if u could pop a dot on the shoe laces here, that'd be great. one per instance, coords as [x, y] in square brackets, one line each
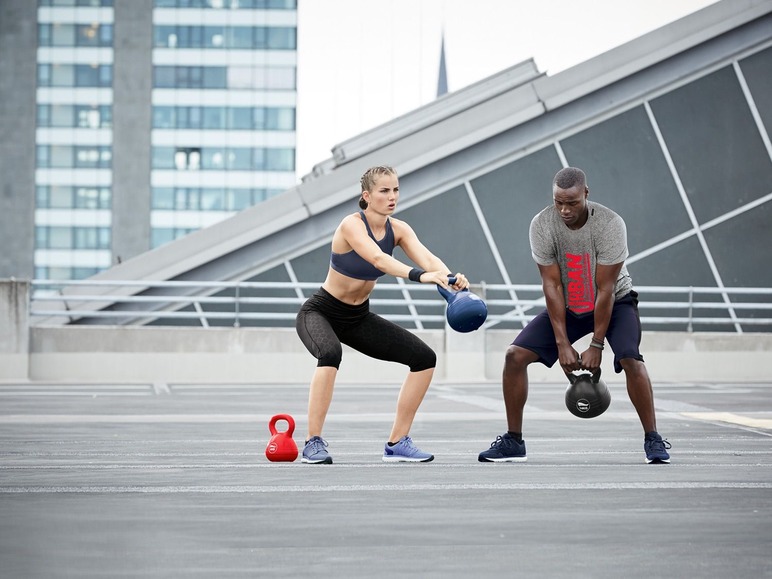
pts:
[498, 442]
[409, 448]
[317, 444]
[658, 444]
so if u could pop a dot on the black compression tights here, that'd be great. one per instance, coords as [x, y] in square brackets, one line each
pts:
[324, 323]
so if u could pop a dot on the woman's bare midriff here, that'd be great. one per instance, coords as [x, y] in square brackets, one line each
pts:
[347, 289]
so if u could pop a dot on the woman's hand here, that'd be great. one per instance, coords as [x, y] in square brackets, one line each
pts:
[441, 279]
[461, 282]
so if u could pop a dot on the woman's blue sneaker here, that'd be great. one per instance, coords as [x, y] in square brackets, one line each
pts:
[504, 449]
[656, 448]
[405, 451]
[315, 451]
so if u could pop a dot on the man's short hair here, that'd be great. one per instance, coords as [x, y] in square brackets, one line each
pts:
[569, 178]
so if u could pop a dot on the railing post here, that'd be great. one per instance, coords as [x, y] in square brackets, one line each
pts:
[237, 294]
[689, 327]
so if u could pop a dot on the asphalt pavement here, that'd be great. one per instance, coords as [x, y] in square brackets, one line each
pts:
[172, 480]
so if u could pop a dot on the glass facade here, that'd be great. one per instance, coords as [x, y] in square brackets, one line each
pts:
[208, 198]
[224, 37]
[75, 116]
[224, 118]
[229, 4]
[76, 237]
[68, 157]
[72, 197]
[94, 34]
[75, 75]
[223, 159]
[196, 179]
[73, 194]
[201, 174]
[223, 77]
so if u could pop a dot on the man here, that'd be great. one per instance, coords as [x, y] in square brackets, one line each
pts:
[580, 248]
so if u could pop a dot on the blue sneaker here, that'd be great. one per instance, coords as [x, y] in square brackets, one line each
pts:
[315, 451]
[656, 448]
[504, 449]
[405, 451]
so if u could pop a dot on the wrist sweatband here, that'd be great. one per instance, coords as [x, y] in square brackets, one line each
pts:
[415, 274]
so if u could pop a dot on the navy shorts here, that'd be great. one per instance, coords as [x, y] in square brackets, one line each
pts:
[623, 335]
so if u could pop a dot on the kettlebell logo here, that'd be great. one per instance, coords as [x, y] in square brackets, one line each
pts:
[582, 405]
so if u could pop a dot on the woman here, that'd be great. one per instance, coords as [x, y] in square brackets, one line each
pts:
[339, 313]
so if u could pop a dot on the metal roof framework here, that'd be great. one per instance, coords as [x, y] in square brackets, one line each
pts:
[450, 140]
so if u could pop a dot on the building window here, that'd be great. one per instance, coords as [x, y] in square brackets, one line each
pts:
[223, 159]
[71, 116]
[265, 78]
[229, 4]
[59, 34]
[208, 77]
[75, 75]
[85, 3]
[187, 159]
[231, 118]
[215, 77]
[163, 235]
[237, 37]
[71, 197]
[68, 157]
[62, 237]
[208, 199]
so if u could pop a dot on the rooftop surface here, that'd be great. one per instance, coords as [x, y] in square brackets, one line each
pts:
[172, 481]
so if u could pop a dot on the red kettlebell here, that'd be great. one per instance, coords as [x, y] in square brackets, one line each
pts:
[281, 447]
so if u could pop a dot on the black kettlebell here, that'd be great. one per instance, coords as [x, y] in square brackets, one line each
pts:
[587, 396]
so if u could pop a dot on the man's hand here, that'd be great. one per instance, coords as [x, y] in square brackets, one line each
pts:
[569, 359]
[591, 358]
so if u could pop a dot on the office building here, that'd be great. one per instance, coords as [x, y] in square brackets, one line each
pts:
[137, 122]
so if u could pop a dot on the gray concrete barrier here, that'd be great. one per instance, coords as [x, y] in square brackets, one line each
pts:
[150, 354]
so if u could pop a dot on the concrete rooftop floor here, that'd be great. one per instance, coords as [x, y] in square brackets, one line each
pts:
[172, 481]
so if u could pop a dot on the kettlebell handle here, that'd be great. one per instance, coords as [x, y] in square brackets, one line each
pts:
[573, 377]
[290, 424]
[447, 294]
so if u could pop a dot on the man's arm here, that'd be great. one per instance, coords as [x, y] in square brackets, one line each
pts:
[552, 285]
[605, 280]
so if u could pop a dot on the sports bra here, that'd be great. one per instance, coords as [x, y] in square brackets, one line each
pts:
[351, 264]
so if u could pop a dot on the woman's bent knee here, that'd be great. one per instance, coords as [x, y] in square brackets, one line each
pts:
[330, 357]
[425, 359]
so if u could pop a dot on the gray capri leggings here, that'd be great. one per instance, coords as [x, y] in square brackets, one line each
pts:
[324, 323]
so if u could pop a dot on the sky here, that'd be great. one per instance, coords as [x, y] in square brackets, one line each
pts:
[361, 63]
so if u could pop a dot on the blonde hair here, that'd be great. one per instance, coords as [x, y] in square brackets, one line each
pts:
[370, 177]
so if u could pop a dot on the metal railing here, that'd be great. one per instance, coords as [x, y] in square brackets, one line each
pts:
[137, 302]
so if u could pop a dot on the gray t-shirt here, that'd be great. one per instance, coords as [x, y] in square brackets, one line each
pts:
[602, 240]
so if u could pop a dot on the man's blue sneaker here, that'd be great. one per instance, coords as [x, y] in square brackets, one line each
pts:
[405, 451]
[315, 451]
[504, 449]
[656, 448]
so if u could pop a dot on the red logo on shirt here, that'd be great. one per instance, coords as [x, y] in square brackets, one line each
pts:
[581, 287]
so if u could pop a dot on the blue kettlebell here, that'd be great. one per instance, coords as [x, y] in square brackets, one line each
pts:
[466, 311]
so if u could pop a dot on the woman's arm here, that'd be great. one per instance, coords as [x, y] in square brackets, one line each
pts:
[436, 270]
[353, 230]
